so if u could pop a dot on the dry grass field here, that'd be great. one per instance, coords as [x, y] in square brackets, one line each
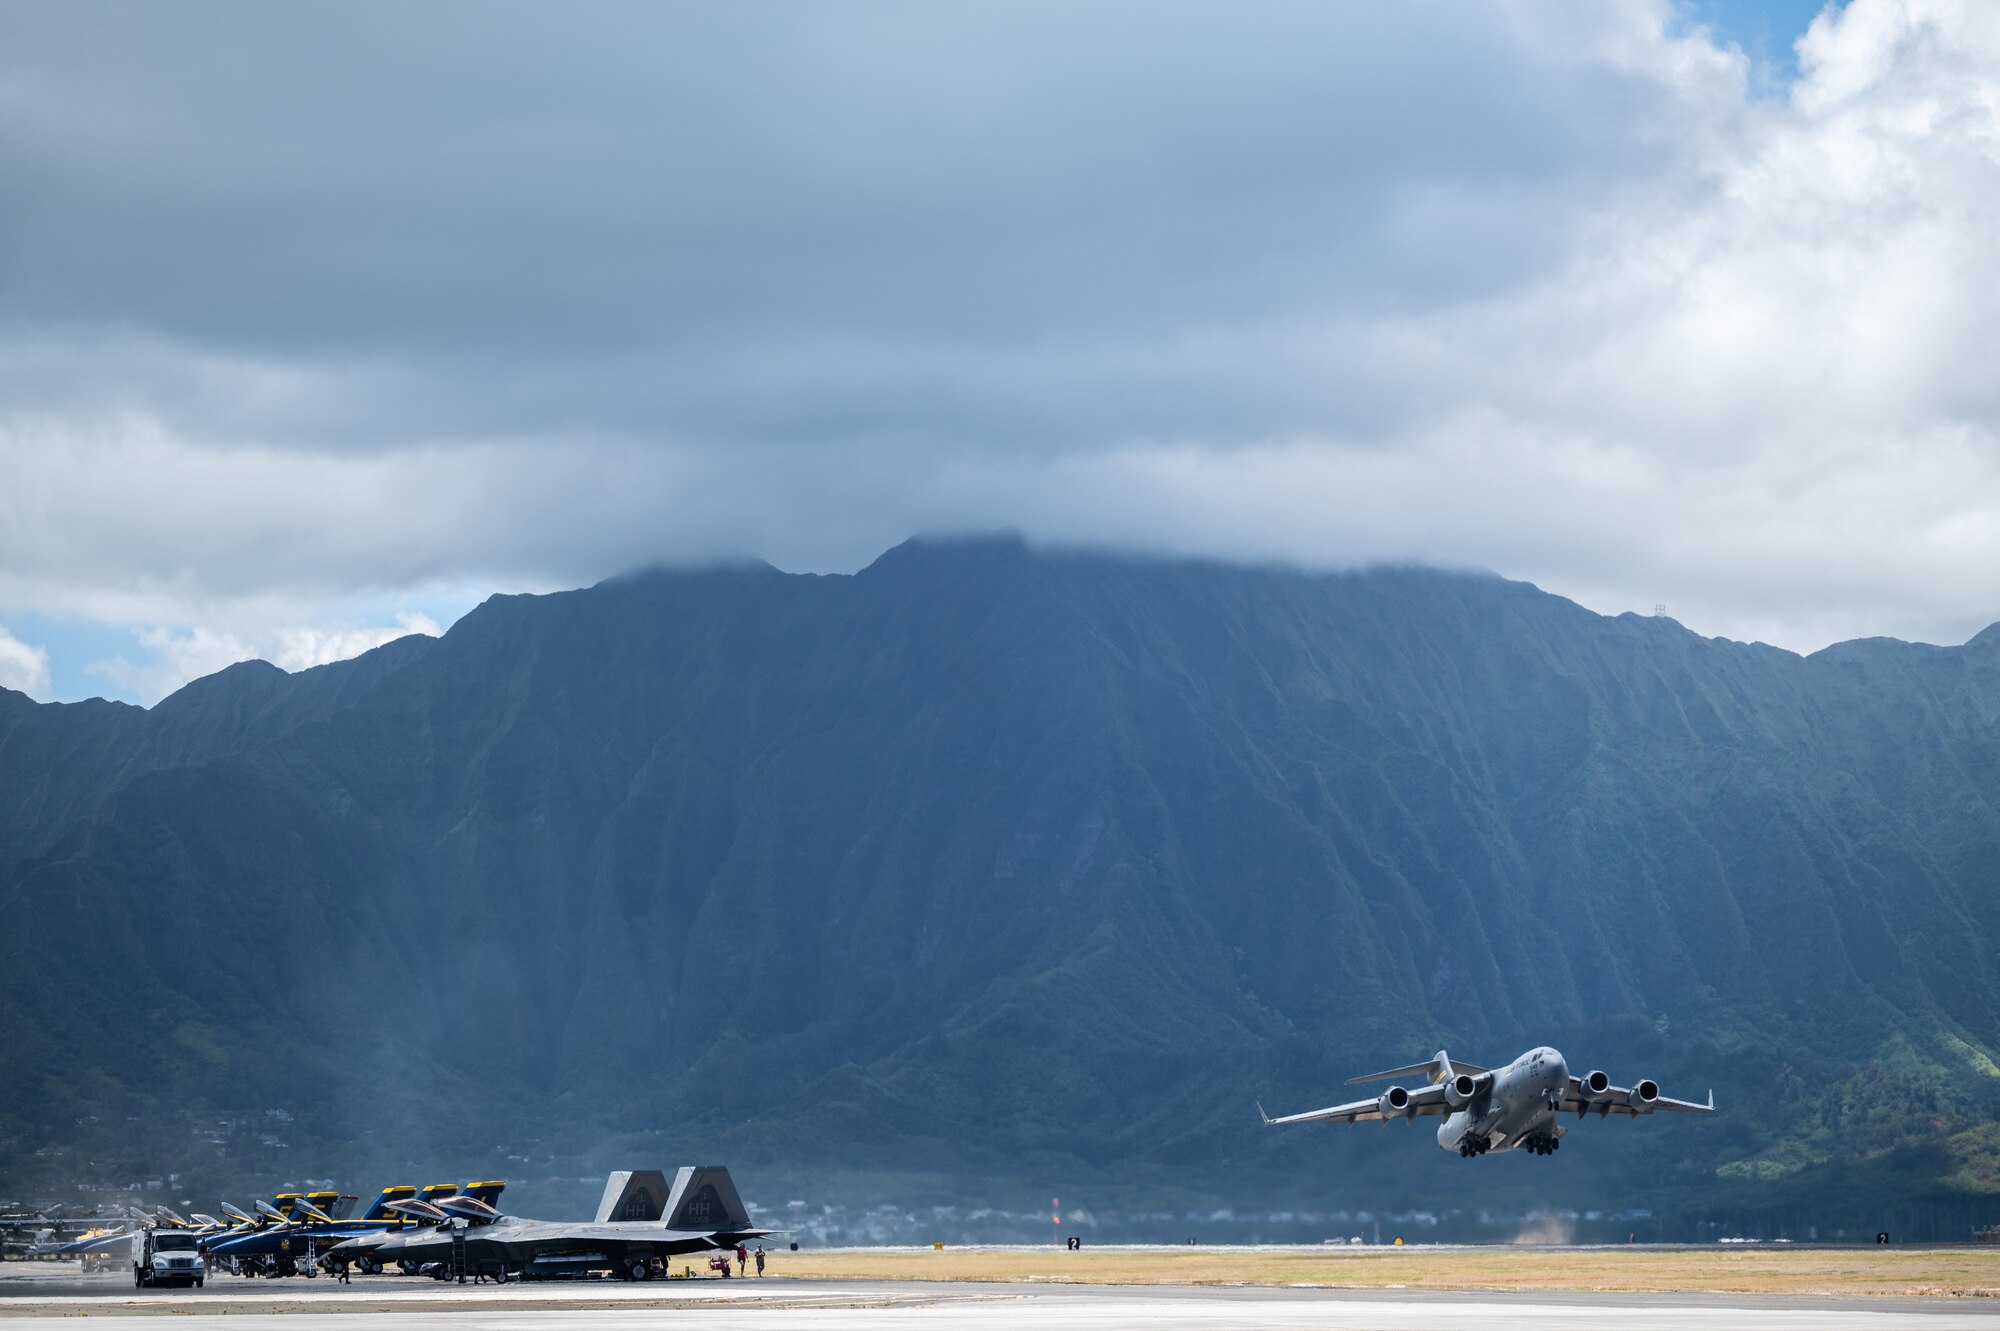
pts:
[1962, 1272]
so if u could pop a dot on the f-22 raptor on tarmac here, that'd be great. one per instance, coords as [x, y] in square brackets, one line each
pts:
[641, 1221]
[1513, 1108]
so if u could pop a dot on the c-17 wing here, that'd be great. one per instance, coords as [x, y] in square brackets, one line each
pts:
[1645, 1098]
[1422, 1101]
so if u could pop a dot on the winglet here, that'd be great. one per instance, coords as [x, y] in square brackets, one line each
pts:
[1261, 1114]
[1711, 1099]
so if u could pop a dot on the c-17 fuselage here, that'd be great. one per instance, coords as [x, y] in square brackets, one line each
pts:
[1499, 1109]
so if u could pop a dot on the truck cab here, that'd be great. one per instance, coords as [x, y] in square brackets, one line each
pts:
[167, 1257]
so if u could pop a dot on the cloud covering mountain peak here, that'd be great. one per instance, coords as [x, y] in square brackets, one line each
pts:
[317, 312]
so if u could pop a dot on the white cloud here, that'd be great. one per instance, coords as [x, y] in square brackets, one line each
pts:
[304, 648]
[24, 668]
[1537, 287]
[173, 658]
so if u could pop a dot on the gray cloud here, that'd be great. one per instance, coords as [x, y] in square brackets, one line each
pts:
[307, 304]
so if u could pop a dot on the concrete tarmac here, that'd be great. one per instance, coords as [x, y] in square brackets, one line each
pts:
[30, 1299]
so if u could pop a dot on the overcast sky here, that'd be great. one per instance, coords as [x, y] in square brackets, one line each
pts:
[319, 323]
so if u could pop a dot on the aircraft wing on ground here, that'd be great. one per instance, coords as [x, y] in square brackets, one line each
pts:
[1422, 1102]
[614, 1234]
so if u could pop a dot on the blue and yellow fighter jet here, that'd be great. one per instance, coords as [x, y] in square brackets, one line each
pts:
[298, 1231]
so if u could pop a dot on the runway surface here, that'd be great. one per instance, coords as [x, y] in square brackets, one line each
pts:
[798, 1305]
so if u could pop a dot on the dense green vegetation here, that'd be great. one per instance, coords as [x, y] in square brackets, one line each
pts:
[989, 871]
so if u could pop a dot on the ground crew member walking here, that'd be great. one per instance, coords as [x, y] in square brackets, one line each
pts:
[760, 1259]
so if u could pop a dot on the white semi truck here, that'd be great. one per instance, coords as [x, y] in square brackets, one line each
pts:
[166, 1257]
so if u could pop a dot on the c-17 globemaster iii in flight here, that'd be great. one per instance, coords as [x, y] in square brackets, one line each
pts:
[1511, 1108]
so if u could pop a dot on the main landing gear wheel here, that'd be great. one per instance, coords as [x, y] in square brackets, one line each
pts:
[369, 1266]
[639, 1268]
[408, 1266]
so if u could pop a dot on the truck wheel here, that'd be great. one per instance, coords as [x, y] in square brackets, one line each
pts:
[197, 1282]
[138, 1278]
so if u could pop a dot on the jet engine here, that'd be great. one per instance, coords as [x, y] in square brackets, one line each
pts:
[1395, 1103]
[1643, 1096]
[1458, 1092]
[1596, 1084]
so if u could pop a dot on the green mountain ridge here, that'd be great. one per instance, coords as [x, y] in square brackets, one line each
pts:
[988, 866]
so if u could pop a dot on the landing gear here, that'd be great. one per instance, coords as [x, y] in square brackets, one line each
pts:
[1471, 1144]
[639, 1268]
[1544, 1145]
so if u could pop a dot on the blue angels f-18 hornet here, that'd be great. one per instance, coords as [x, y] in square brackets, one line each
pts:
[1508, 1109]
[296, 1232]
